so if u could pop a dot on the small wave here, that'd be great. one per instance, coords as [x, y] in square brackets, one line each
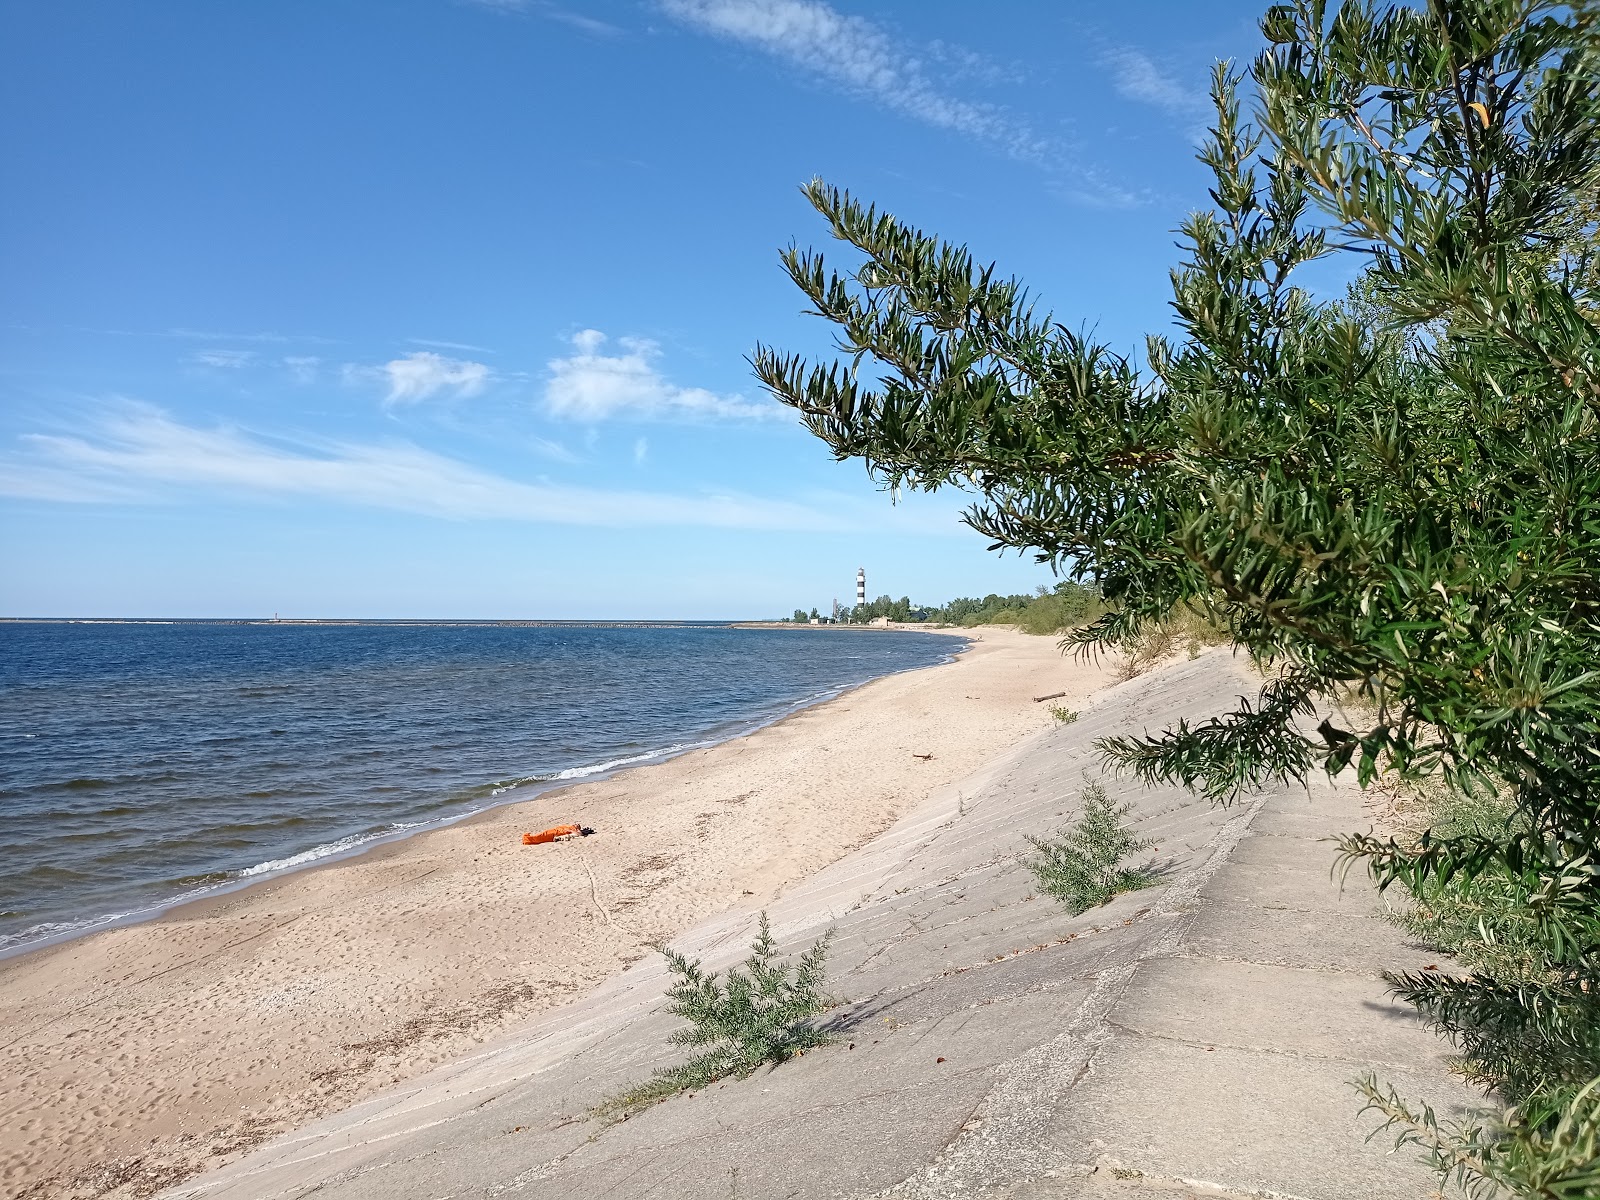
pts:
[206, 880]
[195, 887]
[329, 849]
[613, 764]
[47, 931]
[600, 768]
[326, 850]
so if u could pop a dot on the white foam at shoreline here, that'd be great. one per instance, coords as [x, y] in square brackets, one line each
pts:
[50, 933]
[326, 850]
[600, 768]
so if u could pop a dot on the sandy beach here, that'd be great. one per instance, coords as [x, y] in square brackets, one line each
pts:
[136, 1056]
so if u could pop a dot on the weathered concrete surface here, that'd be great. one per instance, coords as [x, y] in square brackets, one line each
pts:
[1197, 1038]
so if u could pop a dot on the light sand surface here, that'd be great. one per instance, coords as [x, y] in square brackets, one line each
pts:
[135, 1056]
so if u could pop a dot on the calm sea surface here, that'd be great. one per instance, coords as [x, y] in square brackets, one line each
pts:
[143, 762]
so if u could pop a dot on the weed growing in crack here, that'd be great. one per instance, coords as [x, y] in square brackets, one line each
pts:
[1082, 866]
[759, 1014]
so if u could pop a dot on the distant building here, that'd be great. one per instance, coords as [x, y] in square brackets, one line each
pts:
[861, 586]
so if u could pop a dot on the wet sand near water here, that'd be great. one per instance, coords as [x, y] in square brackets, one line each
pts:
[134, 1057]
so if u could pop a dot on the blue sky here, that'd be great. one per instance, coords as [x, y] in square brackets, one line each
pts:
[440, 308]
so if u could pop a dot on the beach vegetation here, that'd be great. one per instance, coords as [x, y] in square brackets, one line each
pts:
[1395, 493]
[1083, 867]
[1047, 611]
[758, 1014]
[899, 611]
[1184, 629]
[1490, 924]
[1063, 715]
[1043, 611]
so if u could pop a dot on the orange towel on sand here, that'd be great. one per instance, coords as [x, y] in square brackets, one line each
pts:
[550, 835]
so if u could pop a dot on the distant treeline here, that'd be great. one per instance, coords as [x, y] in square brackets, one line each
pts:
[1042, 611]
[1045, 611]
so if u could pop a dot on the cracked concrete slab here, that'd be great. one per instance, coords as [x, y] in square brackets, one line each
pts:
[1246, 1120]
[1285, 1010]
[1193, 1039]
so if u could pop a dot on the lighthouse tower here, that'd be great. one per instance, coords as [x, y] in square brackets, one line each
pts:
[861, 585]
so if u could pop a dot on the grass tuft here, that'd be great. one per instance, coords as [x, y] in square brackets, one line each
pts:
[758, 1014]
[1184, 627]
[1082, 867]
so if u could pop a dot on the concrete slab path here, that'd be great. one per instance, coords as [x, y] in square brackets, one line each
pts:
[1197, 1038]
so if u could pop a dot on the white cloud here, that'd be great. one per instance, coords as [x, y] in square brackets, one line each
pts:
[423, 374]
[590, 385]
[266, 336]
[552, 449]
[230, 360]
[957, 62]
[203, 335]
[441, 345]
[641, 450]
[140, 453]
[551, 12]
[577, 20]
[856, 53]
[302, 367]
[1138, 78]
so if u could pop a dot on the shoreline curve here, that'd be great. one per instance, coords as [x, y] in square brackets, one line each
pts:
[142, 1054]
[327, 854]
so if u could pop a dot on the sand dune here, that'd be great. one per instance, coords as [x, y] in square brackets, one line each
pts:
[135, 1056]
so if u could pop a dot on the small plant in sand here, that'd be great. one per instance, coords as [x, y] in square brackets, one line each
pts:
[1082, 867]
[1062, 714]
[758, 1014]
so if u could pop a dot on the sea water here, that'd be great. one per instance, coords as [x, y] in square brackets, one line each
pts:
[142, 763]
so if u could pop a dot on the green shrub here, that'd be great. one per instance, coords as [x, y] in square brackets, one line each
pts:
[1397, 493]
[1069, 605]
[1490, 923]
[760, 1014]
[1082, 867]
[1063, 715]
[1551, 1152]
[1182, 627]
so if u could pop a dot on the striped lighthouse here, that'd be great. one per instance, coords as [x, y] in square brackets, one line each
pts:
[861, 585]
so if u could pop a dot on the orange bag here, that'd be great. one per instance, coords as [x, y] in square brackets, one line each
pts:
[551, 834]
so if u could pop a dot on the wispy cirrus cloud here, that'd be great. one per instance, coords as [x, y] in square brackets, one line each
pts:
[591, 385]
[228, 360]
[859, 55]
[1136, 76]
[423, 375]
[958, 62]
[138, 453]
[302, 368]
[551, 12]
[212, 335]
[552, 449]
[437, 344]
